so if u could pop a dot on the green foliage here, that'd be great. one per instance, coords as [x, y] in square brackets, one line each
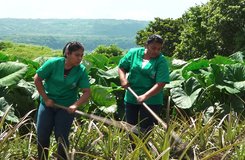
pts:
[109, 51]
[238, 56]
[95, 60]
[22, 97]
[7, 112]
[30, 52]
[206, 97]
[213, 139]
[102, 95]
[32, 66]
[12, 144]
[185, 97]
[5, 45]
[14, 90]
[228, 20]
[11, 73]
[214, 28]
[196, 38]
[220, 85]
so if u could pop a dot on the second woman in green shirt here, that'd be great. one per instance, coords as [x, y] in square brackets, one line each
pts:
[148, 72]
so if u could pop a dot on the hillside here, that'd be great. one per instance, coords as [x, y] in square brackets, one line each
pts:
[54, 33]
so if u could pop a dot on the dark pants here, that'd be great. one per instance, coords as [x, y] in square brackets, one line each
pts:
[137, 113]
[48, 119]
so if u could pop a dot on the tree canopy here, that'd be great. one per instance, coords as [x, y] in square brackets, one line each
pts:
[214, 28]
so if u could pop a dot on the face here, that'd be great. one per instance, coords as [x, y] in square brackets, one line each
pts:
[75, 57]
[154, 49]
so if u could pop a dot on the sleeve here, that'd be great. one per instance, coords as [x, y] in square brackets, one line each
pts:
[45, 70]
[162, 74]
[125, 62]
[84, 81]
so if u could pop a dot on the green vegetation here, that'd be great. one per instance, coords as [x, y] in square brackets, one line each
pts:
[206, 94]
[215, 28]
[215, 139]
[206, 110]
[26, 51]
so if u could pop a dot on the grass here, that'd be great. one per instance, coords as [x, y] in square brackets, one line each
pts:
[26, 50]
[215, 139]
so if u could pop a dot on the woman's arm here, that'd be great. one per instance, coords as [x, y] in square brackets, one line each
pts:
[153, 91]
[39, 85]
[83, 99]
[123, 78]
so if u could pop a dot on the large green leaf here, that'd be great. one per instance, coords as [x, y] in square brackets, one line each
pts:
[184, 97]
[4, 107]
[194, 65]
[110, 109]
[102, 96]
[216, 74]
[178, 63]
[238, 56]
[22, 97]
[207, 77]
[111, 73]
[235, 74]
[221, 60]
[218, 79]
[114, 60]
[229, 89]
[229, 77]
[41, 60]
[176, 79]
[95, 60]
[240, 85]
[11, 73]
[32, 65]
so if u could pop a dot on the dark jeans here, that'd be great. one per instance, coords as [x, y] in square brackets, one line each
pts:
[49, 118]
[136, 113]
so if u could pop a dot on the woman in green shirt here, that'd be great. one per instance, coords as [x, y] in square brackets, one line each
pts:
[147, 74]
[63, 78]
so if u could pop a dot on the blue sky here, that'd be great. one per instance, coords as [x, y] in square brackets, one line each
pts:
[96, 9]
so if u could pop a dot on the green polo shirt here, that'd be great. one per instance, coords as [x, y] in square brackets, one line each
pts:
[143, 79]
[63, 90]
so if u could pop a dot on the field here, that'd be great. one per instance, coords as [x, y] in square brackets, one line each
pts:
[205, 109]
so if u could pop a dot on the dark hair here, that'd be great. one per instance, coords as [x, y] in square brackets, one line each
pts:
[154, 38]
[71, 47]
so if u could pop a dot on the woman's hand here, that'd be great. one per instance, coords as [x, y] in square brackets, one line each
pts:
[153, 91]
[125, 84]
[49, 102]
[72, 109]
[142, 98]
[39, 84]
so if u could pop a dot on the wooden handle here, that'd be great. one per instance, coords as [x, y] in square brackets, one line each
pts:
[164, 125]
[118, 124]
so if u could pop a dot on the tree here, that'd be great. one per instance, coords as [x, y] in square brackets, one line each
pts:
[196, 40]
[228, 19]
[214, 28]
[109, 51]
